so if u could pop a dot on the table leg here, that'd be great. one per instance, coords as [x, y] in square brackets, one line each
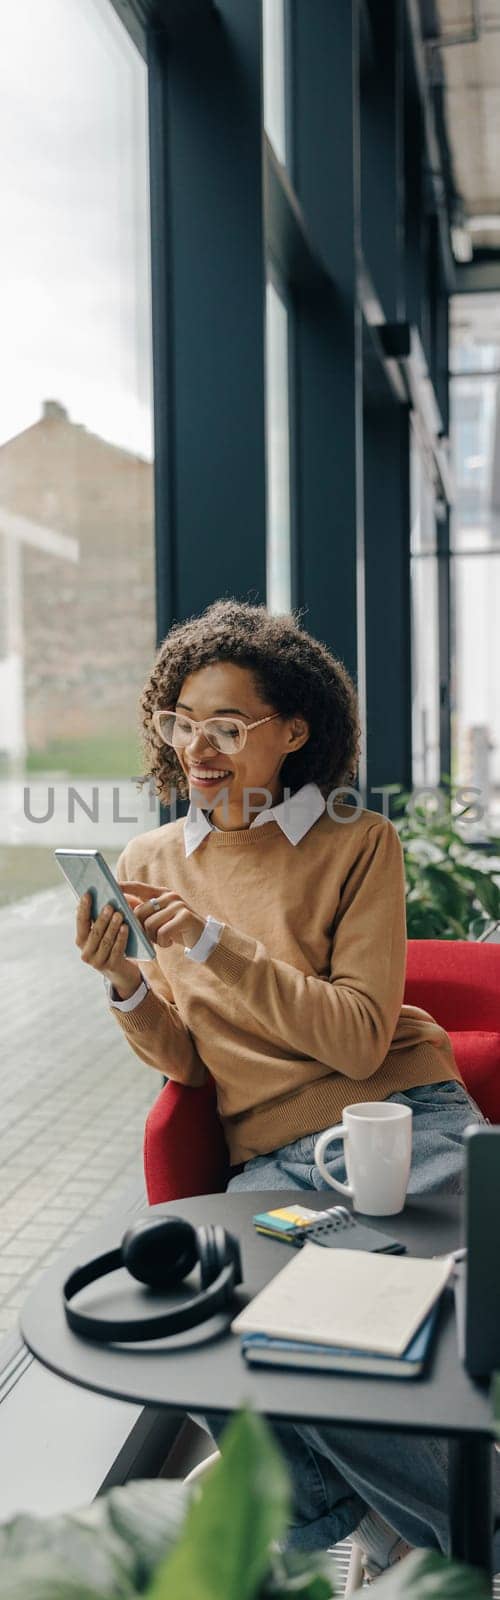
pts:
[471, 1522]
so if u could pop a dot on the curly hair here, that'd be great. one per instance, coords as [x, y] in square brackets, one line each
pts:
[294, 673]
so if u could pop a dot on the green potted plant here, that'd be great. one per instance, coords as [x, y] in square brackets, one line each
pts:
[219, 1539]
[452, 888]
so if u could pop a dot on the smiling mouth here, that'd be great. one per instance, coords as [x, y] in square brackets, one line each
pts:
[208, 776]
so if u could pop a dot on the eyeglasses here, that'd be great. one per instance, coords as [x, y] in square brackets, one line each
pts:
[227, 734]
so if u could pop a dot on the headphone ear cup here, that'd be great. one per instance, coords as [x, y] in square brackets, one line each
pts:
[233, 1246]
[209, 1252]
[217, 1249]
[160, 1253]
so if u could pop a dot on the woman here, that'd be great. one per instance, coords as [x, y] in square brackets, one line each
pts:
[278, 913]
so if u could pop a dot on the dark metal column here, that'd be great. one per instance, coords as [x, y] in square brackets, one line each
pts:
[163, 413]
[208, 279]
[388, 628]
[329, 424]
[382, 151]
[208, 304]
[386, 419]
[414, 191]
[470, 1496]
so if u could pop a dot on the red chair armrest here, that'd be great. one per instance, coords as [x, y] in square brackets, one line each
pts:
[185, 1152]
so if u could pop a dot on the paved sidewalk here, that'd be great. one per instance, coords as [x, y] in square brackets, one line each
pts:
[73, 1096]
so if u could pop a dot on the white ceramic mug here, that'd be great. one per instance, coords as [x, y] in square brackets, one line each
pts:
[377, 1135]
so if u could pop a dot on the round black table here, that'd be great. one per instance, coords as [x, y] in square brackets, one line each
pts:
[204, 1370]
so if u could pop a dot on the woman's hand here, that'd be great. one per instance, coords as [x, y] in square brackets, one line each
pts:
[173, 923]
[102, 946]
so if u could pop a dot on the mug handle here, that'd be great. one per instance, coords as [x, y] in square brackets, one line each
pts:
[319, 1149]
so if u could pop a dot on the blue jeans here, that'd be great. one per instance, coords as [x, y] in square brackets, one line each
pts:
[337, 1473]
[441, 1111]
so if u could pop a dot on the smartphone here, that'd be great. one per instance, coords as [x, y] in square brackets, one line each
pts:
[87, 869]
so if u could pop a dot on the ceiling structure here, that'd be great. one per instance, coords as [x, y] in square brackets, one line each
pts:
[462, 50]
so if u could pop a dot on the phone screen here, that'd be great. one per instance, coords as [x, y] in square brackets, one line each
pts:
[87, 869]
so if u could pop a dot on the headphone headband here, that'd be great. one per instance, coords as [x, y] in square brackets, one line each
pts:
[160, 1253]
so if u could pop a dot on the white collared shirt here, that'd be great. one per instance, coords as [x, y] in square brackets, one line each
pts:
[295, 816]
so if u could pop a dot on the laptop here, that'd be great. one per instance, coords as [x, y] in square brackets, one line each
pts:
[477, 1284]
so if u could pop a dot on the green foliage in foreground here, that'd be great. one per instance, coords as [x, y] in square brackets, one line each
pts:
[215, 1540]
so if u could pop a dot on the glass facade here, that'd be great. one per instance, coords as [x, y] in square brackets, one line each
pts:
[268, 362]
[77, 597]
[475, 543]
[76, 487]
[424, 620]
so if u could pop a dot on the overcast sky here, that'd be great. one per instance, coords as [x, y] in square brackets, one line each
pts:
[74, 259]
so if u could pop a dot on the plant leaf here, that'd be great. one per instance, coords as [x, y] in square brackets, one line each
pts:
[478, 926]
[425, 922]
[425, 1575]
[486, 891]
[452, 895]
[106, 1551]
[244, 1505]
[42, 1578]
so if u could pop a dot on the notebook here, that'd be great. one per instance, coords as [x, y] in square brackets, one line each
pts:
[261, 1351]
[350, 1298]
[335, 1227]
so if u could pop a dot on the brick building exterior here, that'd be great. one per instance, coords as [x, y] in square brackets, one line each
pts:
[87, 633]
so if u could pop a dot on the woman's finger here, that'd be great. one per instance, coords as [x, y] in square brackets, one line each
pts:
[82, 919]
[100, 941]
[143, 891]
[111, 944]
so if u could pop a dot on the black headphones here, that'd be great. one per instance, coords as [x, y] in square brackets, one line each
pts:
[161, 1254]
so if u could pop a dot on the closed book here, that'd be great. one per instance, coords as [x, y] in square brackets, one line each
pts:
[261, 1351]
[354, 1300]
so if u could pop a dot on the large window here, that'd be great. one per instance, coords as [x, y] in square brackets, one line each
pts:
[77, 604]
[424, 619]
[475, 543]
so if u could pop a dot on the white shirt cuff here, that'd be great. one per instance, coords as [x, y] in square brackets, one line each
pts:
[133, 999]
[207, 940]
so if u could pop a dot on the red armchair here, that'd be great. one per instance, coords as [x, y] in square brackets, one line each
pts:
[457, 981]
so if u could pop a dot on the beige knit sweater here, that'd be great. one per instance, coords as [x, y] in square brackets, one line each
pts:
[298, 1010]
